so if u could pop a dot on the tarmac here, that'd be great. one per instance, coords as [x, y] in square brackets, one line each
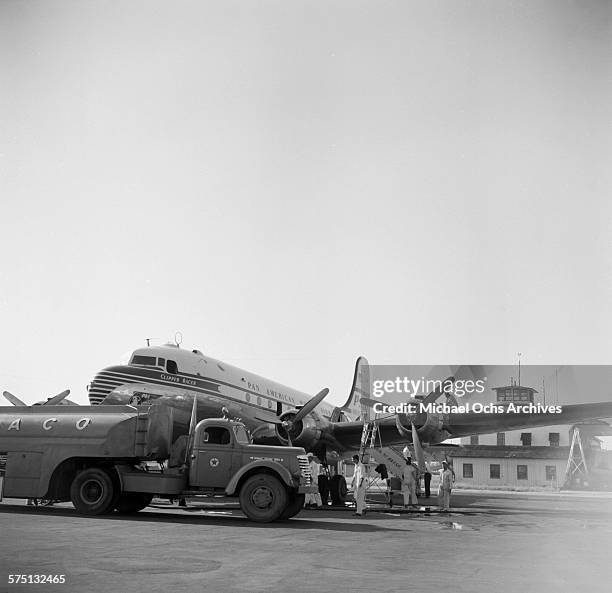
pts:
[489, 542]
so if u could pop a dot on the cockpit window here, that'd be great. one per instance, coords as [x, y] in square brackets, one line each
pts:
[171, 367]
[149, 361]
[241, 435]
[161, 362]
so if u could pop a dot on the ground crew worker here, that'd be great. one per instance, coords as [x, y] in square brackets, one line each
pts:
[313, 498]
[359, 486]
[323, 483]
[427, 480]
[409, 481]
[446, 484]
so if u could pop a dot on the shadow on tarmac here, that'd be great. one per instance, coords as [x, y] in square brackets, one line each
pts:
[237, 520]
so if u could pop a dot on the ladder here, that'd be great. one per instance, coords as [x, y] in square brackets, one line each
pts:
[368, 438]
[576, 470]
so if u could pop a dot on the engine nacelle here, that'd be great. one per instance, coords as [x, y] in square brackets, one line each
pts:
[304, 433]
[430, 427]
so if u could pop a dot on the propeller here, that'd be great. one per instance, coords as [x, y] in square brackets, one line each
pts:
[288, 424]
[52, 401]
[13, 399]
[56, 399]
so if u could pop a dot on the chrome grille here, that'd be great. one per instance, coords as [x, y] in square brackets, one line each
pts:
[305, 468]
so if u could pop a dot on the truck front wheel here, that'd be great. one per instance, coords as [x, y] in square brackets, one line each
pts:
[132, 502]
[93, 492]
[294, 506]
[263, 498]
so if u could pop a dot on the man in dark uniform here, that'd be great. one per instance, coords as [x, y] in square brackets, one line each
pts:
[427, 479]
[323, 483]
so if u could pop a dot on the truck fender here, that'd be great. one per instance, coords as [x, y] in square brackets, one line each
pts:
[257, 465]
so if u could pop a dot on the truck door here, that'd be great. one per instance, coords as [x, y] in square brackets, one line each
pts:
[212, 457]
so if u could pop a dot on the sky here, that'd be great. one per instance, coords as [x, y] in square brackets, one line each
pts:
[292, 184]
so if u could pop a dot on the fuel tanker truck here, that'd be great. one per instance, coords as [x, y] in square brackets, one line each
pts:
[116, 458]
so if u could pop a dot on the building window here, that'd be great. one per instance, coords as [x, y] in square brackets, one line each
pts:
[553, 439]
[495, 471]
[468, 470]
[501, 439]
[526, 438]
[474, 439]
[521, 472]
[551, 473]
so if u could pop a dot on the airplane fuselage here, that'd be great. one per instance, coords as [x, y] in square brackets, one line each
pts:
[175, 375]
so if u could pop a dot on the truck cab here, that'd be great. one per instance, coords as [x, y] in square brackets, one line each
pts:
[217, 453]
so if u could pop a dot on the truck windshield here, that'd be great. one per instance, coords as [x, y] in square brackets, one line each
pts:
[241, 435]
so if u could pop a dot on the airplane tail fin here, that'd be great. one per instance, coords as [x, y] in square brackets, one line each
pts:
[360, 389]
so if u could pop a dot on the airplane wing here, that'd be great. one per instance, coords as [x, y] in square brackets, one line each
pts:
[433, 428]
[460, 425]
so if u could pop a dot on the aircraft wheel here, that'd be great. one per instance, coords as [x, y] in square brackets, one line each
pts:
[263, 498]
[132, 502]
[294, 506]
[338, 489]
[93, 492]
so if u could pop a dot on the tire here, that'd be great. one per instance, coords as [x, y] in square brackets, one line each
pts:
[338, 489]
[263, 498]
[132, 502]
[94, 492]
[294, 506]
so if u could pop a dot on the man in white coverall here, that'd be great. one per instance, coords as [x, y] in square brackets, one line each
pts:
[359, 486]
[409, 483]
[446, 484]
[314, 498]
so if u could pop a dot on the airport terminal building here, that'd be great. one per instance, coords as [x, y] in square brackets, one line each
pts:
[523, 459]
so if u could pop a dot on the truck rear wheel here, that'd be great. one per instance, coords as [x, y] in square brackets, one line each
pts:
[294, 506]
[132, 502]
[338, 490]
[93, 492]
[263, 498]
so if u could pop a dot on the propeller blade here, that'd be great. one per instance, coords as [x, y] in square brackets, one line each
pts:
[13, 399]
[400, 427]
[418, 450]
[310, 405]
[268, 418]
[56, 399]
[366, 401]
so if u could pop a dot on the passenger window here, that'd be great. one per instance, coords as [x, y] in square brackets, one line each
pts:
[171, 367]
[217, 435]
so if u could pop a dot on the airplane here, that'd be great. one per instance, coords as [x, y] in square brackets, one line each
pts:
[277, 414]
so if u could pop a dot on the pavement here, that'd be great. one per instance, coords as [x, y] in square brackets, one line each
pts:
[490, 542]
